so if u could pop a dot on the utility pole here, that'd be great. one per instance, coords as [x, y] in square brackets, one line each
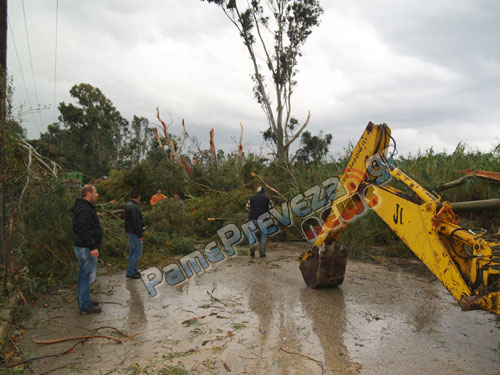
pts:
[3, 112]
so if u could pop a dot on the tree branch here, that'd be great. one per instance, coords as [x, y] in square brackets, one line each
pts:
[240, 146]
[295, 136]
[268, 58]
[260, 84]
[77, 338]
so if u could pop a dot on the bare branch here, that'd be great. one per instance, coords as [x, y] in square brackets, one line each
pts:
[240, 147]
[184, 137]
[44, 163]
[269, 61]
[295, 136]
[212, 147]
[169, 142]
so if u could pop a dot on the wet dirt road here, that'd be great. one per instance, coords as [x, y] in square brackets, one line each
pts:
[256, 316]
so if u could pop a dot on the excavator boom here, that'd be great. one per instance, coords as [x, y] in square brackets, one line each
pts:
[465, 262]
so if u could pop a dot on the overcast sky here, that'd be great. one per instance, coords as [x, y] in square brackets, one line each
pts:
[430, 69]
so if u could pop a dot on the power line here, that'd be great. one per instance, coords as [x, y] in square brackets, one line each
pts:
[31, 63]
[22, 74]
[55, 61]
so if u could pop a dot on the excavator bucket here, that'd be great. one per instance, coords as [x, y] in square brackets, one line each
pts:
[324, 266]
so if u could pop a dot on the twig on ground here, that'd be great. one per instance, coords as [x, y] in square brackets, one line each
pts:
[199, 317]
[189, 311]
[76, 338]
[215, 299]
[110, 327]
[112, 303]
[47, 356]
[305, 356]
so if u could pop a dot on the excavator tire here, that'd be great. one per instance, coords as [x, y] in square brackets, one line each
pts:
[324, 266]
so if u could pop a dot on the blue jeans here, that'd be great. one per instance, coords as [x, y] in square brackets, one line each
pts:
[135, 252]
[263, 241]
[87, 268]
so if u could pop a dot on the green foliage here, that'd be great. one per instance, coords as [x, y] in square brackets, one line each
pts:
[314, 148]
[179, 245]
[137, 142]
[169, 216]
[114, 247]
[432, 169]
[92, 137]
[146, 176]
[15, 157]
[44, 235]
[225, 207]
[170, 230]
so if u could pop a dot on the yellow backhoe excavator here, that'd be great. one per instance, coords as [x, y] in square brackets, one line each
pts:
[467, 263]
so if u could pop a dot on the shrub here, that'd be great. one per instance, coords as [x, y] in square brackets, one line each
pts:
[44, 233]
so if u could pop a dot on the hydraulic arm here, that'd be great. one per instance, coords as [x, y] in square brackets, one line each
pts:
[467, 263]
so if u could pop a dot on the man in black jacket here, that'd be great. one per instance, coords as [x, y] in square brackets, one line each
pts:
[134, 228]
[88, 235]
[257, 205]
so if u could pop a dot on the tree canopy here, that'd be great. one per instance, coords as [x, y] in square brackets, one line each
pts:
[90, 135]
[314, 147]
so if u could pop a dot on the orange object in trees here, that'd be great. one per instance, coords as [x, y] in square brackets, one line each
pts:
[159, 196]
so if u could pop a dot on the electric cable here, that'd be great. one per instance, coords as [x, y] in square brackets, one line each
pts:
[31, 62]
[22, 74]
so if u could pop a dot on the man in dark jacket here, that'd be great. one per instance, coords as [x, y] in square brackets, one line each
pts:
[257, 205]
[134, 228]
[88, 235]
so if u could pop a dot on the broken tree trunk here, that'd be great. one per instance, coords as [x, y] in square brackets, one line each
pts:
[212, 147]
[484, 174]
[452, 184]
[240, 147]
[487, 204]
[470, 173]
[158, 138]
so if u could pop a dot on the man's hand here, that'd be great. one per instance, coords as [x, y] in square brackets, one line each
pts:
[94, 253]
[141, 239]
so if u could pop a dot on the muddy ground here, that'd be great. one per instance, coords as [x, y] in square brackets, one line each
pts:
[256, 316]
